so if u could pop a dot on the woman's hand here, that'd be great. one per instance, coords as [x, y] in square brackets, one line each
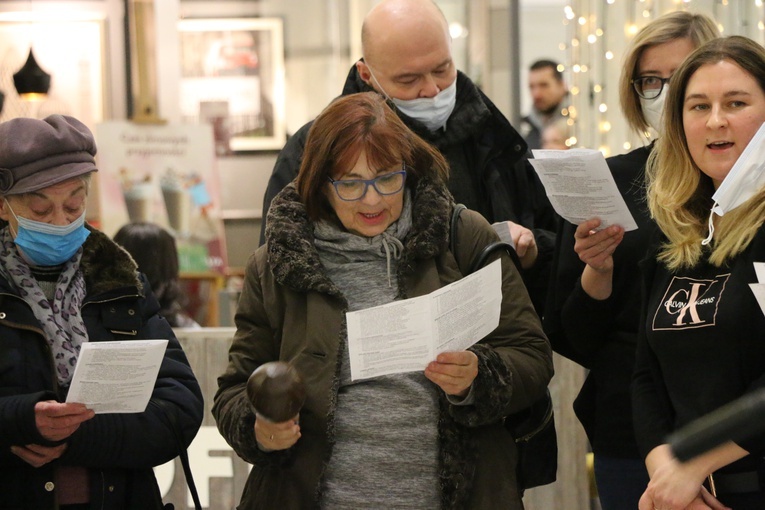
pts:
[56, 421]
[36, 455]
[454, 372]
[596, 249]
[675, 485]
[277, 436]
[710, 501]
[704, 501]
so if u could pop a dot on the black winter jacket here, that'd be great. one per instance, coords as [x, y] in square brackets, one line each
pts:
[602, 335]
[118, 449]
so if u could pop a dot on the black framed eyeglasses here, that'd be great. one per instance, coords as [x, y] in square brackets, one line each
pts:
[649, 87]
[355, 189]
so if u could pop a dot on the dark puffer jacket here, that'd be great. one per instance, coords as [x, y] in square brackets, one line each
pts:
[119, 450]
[290, 310]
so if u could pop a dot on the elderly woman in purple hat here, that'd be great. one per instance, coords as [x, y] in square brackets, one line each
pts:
[63, 283]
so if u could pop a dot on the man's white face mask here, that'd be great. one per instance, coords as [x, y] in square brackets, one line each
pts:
[431, 111]
[745, 179]
[653, 109]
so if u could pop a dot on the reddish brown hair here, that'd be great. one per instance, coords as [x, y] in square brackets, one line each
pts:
[346, 127]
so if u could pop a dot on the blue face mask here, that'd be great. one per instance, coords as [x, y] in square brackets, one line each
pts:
[44, 244]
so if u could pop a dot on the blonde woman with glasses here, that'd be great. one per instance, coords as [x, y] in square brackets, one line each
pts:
[593, 310]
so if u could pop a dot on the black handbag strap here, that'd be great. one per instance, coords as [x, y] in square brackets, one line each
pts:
[172, 419]
[482, 257]
[458, 208]
[187, 473]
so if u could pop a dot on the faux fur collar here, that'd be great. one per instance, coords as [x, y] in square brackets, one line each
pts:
[295, 262]
[106, 266]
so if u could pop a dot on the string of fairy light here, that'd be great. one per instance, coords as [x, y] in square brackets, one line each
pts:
[597, 33]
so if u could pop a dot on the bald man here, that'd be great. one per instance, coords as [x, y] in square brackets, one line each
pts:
[408, 59]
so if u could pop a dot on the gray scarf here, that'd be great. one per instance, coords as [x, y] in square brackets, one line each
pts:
[60, 318]
[337, 246]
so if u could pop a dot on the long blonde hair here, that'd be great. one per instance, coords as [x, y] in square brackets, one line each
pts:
[679, 193]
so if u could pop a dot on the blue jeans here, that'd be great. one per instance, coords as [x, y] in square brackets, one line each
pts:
[620, 482]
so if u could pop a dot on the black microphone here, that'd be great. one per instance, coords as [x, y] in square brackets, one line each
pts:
[736, 421]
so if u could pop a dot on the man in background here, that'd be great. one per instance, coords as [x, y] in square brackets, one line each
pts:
[548, 94]
[407, 58]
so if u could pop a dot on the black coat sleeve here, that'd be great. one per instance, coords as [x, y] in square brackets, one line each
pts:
[541, 218]
[285, 170]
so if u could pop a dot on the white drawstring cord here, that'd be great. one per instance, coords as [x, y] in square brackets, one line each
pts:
[388, 242]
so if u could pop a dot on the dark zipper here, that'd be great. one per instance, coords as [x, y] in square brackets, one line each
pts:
[103, 488]
[542, 425]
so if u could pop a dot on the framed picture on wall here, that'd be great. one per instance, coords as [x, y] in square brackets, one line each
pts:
[71, 50]
[232, 76]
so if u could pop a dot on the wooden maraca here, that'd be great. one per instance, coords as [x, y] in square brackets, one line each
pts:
[276, 391]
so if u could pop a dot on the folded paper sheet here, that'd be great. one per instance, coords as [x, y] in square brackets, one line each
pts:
[404, 336]
[116, 377]
[580, 187]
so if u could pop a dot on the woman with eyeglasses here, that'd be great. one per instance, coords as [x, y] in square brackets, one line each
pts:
[366, 223]
[593, 308]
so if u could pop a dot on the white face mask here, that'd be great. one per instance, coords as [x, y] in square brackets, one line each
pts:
[431, 111]
[745, 179]
[653, 109]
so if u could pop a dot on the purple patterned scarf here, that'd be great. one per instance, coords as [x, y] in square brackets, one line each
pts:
[60, 318]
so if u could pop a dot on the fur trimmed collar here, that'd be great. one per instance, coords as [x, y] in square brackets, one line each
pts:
[106, 266]
[290, 242]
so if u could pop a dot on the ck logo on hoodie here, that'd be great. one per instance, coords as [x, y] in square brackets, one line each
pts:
[690, 303]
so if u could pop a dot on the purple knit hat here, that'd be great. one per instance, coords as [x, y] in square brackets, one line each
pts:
[35, 154]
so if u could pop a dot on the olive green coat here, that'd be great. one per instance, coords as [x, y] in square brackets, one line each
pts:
[289, 310]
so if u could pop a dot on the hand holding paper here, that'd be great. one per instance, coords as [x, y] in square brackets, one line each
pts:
[404, 336]
[453, 372]
[56, 421]
[580, 187]
[595, 246]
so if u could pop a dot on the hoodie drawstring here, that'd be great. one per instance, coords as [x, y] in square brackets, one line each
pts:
[393, 248]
